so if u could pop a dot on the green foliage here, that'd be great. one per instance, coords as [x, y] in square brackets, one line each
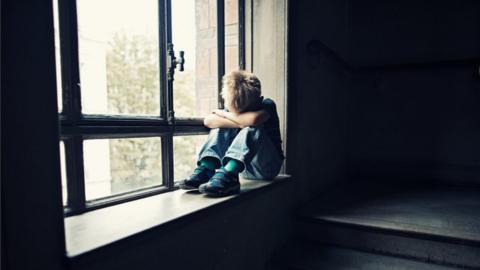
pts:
[185, 149]
[133, 75]
[133, 88]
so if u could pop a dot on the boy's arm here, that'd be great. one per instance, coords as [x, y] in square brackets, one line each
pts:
[215, 121]
[245, 119]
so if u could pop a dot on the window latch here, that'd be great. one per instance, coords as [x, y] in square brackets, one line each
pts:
[173, 61]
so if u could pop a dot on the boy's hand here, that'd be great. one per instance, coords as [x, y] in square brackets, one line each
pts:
[216, 121]
[245, 119]
[220, 113]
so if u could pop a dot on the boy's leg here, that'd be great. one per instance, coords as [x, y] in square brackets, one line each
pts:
[210, 157]
[250, 151]
[219, 139]
[254, 149]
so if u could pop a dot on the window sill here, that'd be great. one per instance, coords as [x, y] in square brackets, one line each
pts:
[94, 230]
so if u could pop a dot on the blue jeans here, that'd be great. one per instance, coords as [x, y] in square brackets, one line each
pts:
[250, 145]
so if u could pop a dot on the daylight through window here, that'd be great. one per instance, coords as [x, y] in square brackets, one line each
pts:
[130, 110]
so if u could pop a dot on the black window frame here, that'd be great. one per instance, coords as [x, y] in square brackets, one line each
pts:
[76, 127]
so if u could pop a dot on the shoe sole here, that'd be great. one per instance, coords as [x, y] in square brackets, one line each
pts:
[232, 191]
[187, 187]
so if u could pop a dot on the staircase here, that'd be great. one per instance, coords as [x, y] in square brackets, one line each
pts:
[388, 228]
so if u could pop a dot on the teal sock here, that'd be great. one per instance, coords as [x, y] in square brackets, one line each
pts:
[210, 163]
[234, 166]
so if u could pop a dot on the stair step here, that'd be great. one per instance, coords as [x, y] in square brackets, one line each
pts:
[332, 258]
[440, 226]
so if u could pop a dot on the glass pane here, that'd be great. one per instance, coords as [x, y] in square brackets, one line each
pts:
[114, 166]
[58, 66]
[194, 30]
[185, 154]
[63, 172]
[231, 35]
[118, 54]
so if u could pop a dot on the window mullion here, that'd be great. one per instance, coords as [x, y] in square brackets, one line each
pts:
[162, 39]
[170, 77]
[75, 174]
[167, 140]
[69, 59]
[220, 47]
[241, 33]
[67, 12]
[167, 161]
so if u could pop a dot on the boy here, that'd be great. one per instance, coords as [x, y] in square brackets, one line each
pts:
[244, 139]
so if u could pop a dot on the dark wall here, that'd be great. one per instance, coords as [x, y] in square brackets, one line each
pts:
[402, 79]
[394, 32]
[318, 81]
[415, 114]
[31, 202]
[239, 235]
[415, 124]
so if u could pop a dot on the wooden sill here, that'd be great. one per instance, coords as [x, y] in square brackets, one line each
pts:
[94, 230]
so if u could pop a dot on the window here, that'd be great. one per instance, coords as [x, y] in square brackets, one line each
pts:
[135, 78]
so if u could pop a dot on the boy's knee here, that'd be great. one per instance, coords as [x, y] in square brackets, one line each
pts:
[253, 132]
[221, 130]
[252, 129]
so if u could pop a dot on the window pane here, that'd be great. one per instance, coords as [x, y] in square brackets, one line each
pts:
[194, 30]
[185, 154]
[231, 35]
[57, 55]
[116, 166]
[118, 54]
[63, 172]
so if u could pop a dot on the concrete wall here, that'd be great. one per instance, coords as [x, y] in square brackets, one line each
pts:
[267, 57]
[395, 32]
[401, 77]
[31, 194]
[239, 235]
[414, 122]
[317, 88]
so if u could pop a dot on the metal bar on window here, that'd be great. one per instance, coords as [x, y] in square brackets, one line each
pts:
[220, 47]
[162, 39]
[167, 140]
[169, 92]
[75, 174]
[89, 132]
[67, 12]
[70, 70]
[105, 120]
[167, 161]
[110, 120]
[248, 33]
[120, 198]
[241, 34]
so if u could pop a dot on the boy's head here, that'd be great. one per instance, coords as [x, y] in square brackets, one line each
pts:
[241, 91]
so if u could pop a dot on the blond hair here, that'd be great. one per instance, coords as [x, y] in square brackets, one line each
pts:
[241, 90]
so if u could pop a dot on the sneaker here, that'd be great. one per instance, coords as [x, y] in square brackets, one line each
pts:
[222, 183]
[200, 175]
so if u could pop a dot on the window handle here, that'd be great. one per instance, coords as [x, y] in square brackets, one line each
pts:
[181, 60]
[173, 61]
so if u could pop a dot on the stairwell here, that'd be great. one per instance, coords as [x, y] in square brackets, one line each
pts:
[372, 227]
